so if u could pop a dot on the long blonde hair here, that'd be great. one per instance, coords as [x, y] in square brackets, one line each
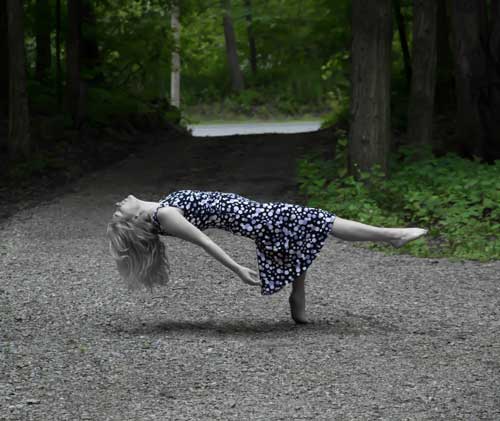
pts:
[138, 251]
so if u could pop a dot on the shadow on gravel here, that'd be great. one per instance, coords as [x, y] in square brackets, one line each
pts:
[350, 325]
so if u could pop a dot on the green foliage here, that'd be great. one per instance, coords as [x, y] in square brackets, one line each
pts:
[337, 70]
[296, 41]
[135, 44]
[293, 38]
[457, 199]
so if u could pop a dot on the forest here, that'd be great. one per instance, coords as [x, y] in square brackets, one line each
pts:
[410, 91]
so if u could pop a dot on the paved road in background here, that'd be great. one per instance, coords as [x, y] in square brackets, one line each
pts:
[229, 129]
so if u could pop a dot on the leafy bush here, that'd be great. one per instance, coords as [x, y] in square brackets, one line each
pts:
[457, 199]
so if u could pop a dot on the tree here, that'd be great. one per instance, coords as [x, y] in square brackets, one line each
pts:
[19, 140]
[251, 38]
[490, 100]
[445, 86]
[42, 35]
[421, 108]
[74, 84]
[477, 71]
[58, 55]
[175, 74]
[402, 39]
[237, 82]
[4, 52]
[370, 130]
[90, 59]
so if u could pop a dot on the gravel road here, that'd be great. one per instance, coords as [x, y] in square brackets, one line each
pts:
[393, 337]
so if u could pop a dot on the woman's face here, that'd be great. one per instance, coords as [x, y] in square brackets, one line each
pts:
[128, 207]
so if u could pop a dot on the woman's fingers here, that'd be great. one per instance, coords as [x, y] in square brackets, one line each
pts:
[250, 277]
[253, 282]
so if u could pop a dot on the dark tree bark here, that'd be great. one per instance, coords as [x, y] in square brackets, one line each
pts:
[251, 38]
[4, 69]
[403, 40]
[424, 57]
[445, 86]
[74, 85]
[493, 12]
[494, 44]
[477, 81]
[237, 82]
[19, 140]
[90, 50]
[490, 100]
[370, 131]
[58, 55]
[42, 34]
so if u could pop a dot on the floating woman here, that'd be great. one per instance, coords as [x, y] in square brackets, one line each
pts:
[288, 238]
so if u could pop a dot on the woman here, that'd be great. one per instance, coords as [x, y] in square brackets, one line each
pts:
[288, 237]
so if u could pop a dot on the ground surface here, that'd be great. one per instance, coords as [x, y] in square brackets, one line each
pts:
[393, 338]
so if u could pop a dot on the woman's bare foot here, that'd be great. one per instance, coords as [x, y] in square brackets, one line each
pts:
[404, 235]
[298, 308]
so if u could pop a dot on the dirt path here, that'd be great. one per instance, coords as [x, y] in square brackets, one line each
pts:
[393, 338]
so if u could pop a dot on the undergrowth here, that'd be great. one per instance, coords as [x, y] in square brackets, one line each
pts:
[458, 200]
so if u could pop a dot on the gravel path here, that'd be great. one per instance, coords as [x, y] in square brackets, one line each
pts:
[393, 338]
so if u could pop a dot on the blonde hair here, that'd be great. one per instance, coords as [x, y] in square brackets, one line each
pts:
[138, 251]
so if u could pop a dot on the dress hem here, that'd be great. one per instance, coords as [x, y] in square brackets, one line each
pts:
[265, 292]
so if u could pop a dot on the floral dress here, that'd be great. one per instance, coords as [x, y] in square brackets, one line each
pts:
[288, 237]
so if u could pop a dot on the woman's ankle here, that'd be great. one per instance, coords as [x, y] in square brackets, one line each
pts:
[298, 307]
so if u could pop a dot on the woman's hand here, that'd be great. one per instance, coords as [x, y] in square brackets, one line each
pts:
[248, 276]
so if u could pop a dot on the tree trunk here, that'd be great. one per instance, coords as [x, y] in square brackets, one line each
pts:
[237, 83]
[424, 57]
[251, 38]
[494, 45]
[4, 69]
[74, 85]
[370, 131]
[490, 100]
[175, 71]
[493, 13]
[445, 86]
[403, 40]
[42, 35]
[90, 59]
[477, 81]
[58, 55]
[19, 141]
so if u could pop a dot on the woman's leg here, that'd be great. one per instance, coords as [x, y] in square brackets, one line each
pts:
[356, 231]
[297, 300]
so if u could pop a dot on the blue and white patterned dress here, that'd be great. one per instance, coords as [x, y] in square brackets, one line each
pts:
[288, 237]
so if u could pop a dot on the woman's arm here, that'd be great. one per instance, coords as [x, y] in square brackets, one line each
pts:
[175, 224]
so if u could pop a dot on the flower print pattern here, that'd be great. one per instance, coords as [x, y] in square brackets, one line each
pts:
[288, 237]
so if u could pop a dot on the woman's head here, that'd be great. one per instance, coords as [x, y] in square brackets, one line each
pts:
[135, 244]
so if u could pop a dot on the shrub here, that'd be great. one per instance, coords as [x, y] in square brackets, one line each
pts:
[457, 199]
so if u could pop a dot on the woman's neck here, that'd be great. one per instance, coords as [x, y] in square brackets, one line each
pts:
[148, 207]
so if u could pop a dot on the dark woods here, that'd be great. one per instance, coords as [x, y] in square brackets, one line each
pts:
[452, 71]
[450, 49]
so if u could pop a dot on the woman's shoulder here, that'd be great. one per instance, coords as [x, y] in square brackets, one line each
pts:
[162, 215]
